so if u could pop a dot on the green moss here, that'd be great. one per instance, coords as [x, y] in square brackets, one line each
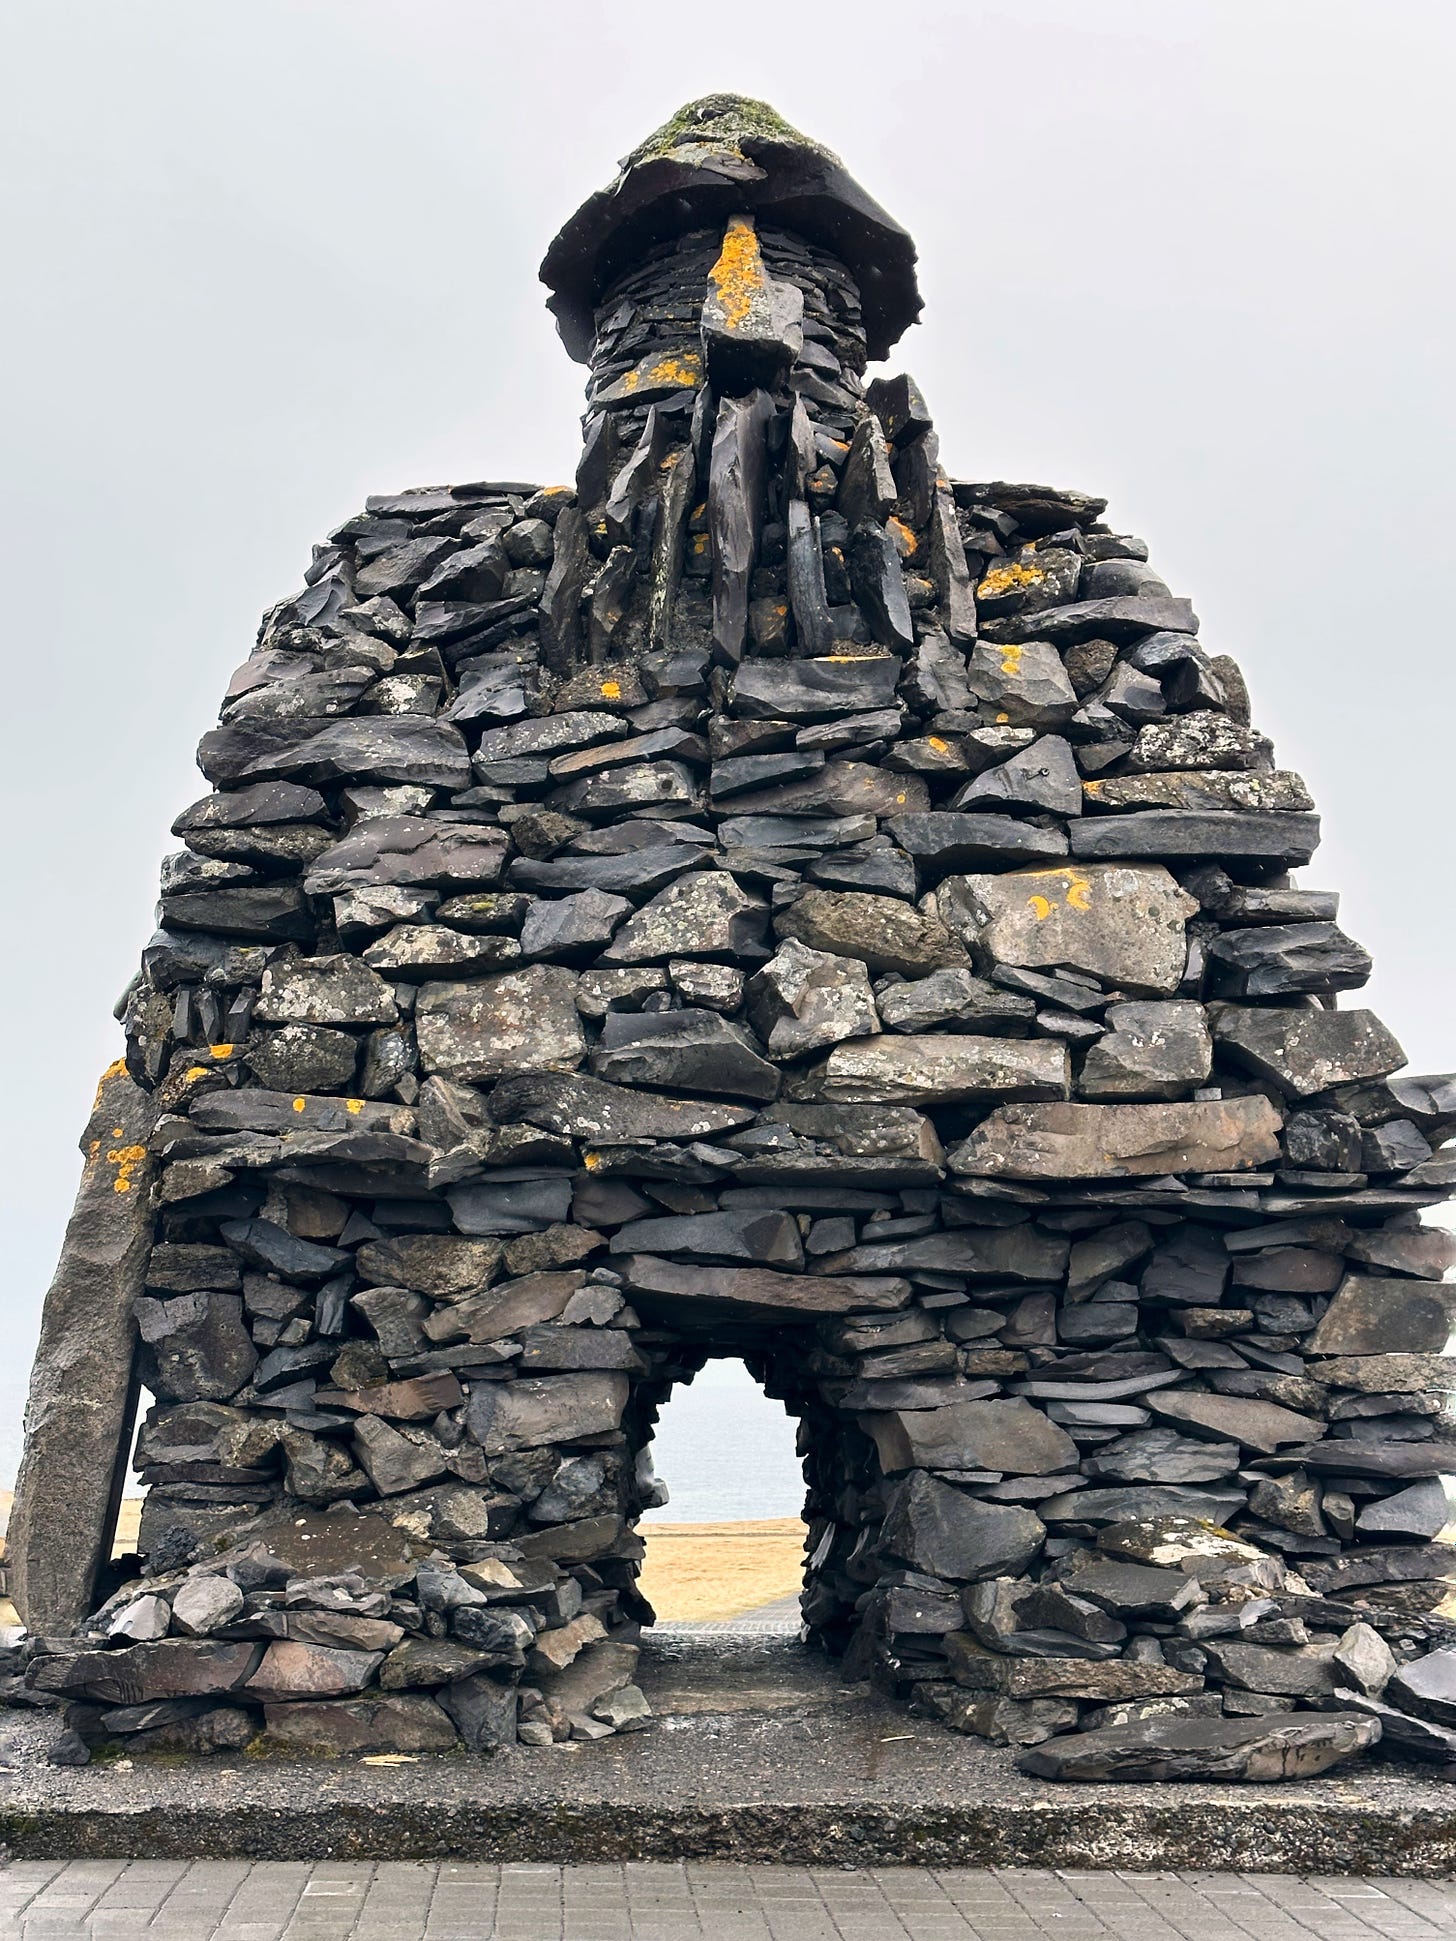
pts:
[725, 119]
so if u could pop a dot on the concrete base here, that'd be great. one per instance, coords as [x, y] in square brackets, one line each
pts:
[759, 1754]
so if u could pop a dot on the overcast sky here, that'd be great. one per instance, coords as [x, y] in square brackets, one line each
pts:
[264, 259]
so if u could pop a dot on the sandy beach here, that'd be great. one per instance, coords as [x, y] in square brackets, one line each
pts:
[721, 1570]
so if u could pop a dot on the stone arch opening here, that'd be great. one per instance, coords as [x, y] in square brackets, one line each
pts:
[779, 1365]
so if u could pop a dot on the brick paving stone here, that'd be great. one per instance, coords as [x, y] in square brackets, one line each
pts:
[696, 1901]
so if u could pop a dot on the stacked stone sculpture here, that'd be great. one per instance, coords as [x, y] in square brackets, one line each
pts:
[767, 899]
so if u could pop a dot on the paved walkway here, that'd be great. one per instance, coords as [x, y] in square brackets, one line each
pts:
[227, 1900]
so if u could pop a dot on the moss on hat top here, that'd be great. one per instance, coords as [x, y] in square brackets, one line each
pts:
[718, 156]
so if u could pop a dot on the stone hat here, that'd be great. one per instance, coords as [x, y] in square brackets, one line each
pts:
[719, 156]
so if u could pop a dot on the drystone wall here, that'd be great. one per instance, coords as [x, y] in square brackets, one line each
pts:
[771, 899]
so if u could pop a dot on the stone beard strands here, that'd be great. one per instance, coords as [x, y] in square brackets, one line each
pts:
[765, 899]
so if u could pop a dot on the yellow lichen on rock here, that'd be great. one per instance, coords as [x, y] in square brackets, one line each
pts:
[738, 276]
[1010, 578]
[126, 1160]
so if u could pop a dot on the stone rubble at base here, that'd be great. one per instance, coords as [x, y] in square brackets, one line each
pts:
[770, 899]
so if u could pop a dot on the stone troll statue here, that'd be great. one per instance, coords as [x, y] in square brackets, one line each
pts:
[767, 898]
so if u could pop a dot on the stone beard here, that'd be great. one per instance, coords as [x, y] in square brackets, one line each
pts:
[766, 899]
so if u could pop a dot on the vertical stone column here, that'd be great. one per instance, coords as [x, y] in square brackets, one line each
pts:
[83, 1386]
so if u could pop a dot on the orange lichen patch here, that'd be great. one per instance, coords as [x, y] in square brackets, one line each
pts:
[1010, 661]
[300, 1105]
[116, 1069]
[610, 690]
[682, 371]
[939, 744]
[906, 544]
[738, 276]
[1076, 891]
[592, 1161]
[353, 1105]
[1010, 579]
[221, 1052]
[125, 1159]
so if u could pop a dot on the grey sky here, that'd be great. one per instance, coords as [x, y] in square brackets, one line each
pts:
[264, 259]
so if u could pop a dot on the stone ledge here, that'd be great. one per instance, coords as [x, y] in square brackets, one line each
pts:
[1243, 1832]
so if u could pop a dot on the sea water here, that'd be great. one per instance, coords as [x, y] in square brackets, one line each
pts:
[726, 1452]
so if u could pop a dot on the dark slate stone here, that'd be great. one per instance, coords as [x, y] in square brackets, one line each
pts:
[591, 1109]
[685, 1290]
[1141, 1502]
[764, 1238]
[1280, 959]
[900, 406]
[376, 748]
[1160, 1749]
[1285, 841]
[1191, 1268]
[1135, 1590]
[1373, 1315]
[1041, 778]
[735, 513]
[814, 690]
[937, 1528]
[1395, 1148]
[948, 843]
[879, 866]
[198, 1348]
[736, 775]
[641, 872]
[683, 1051]
[262, 804]
[275, 912]
[1122, 617]
[1420, 1514]
[262, 1243]
[572, 929]
[1306, 1051]
[879, 585]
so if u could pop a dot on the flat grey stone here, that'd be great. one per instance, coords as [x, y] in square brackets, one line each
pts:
[1218, 1749]
[938, 1069]
[1070, 1141]
[936, 1528]
[879, 931]
[1427, 1687]
[1306, 1051]
[1372, 1315]
[1148, 1051]
[1120, 924]
[1010, 1436]
[523, 1020]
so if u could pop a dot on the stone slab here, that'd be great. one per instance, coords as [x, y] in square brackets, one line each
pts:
[82, 1396]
